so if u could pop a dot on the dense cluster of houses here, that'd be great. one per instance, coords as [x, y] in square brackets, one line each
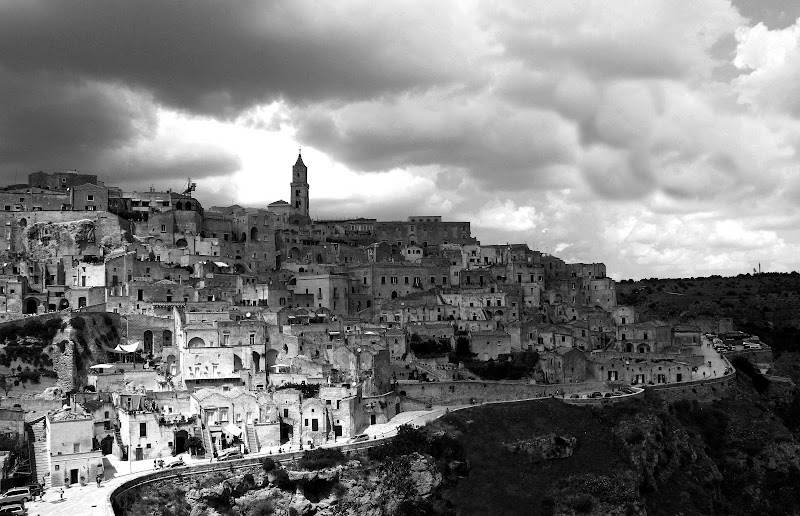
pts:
[252, 328]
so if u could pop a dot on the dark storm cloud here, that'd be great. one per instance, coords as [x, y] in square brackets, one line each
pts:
[58, 120]
[509, 148]
[219, 57]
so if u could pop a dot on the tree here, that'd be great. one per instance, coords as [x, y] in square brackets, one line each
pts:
[462, 347]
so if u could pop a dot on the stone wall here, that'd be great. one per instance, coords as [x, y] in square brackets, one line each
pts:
[463, 392]
[701, 390]
[64, 365]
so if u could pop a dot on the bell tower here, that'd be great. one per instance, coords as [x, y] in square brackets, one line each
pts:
[299, 186]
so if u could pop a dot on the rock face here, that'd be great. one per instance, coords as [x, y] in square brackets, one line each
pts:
[404, 485]
[545, 447]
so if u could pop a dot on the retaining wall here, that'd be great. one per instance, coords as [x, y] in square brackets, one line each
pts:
[701, 390]
[463, 392]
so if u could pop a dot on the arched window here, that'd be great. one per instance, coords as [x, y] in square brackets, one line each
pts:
[167, 338]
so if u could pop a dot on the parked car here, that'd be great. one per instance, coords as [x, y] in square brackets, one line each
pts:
[176, 464]
[35, 490]
[607, 395]
[575, 396]
[13, 509]
[359, 438]
[229, 455]
[596, 394]
[16, 494]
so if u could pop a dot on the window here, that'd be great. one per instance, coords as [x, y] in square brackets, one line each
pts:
[90, 197]
[314, 425]
[383, 280]
[286, 412]
[163, 228]
[76, 447]
[142, 429]
[223, 415]
[394, 280]
[305, 422]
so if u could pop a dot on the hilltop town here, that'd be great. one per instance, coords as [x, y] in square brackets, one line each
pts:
[143, 325]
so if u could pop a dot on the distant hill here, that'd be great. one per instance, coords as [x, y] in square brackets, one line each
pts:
[766, 304]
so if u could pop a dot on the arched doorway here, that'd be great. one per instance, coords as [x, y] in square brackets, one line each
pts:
[166, 338]
[63, 304]
[644, 348]
[272, 357]
[172, 366]
[81, 302]
[237, 362]
[148, 342]
[181, 436]
[254, 234]
[394, 294]
[181, 243]
[31, 306]
[256, 362]
[179, 206]
[244, 237]
[196, 342]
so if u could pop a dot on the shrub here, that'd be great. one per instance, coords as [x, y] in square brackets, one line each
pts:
[321, 458]
[29, 376]
[267, 464]
[78, 323]
[635, 437]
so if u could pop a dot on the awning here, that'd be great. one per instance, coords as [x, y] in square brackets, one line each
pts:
[127, 348]
[233, 430]
[102, 366]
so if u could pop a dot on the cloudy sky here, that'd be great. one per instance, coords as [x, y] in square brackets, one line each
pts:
[659, 137]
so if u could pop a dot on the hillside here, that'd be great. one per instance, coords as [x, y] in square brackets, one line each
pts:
[32, 351]
[642, 457]
[765, 304]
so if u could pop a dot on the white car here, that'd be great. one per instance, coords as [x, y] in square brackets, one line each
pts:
[359, 438]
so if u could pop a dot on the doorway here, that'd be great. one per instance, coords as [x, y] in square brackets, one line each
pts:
[139, 453]
[180, 441]
[372, 419]
[106, 445]
[73, 476]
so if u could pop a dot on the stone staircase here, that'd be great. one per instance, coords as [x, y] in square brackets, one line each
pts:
[40, 465]
[251, 438]
[208, 444]
[118, 442]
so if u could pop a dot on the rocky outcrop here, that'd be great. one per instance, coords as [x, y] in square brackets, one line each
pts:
[545, 447]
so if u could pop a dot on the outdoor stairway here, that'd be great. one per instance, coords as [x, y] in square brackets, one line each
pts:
[40, 465]
[208, 444]
[252, 438]
[118, 440]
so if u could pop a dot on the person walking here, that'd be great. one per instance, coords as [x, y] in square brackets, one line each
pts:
[61, 493]
[98, 478]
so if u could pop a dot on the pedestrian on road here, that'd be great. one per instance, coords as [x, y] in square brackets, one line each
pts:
[61, 492]
[98, 478]
[155, 464]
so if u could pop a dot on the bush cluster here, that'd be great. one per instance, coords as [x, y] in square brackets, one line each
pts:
[321, 458]
[410, 439]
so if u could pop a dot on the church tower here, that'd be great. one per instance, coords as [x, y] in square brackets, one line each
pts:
[300, 186]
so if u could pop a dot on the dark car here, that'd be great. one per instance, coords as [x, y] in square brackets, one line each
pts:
[596, 394]
[176, 464]
[16, 494]
[13, 509]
